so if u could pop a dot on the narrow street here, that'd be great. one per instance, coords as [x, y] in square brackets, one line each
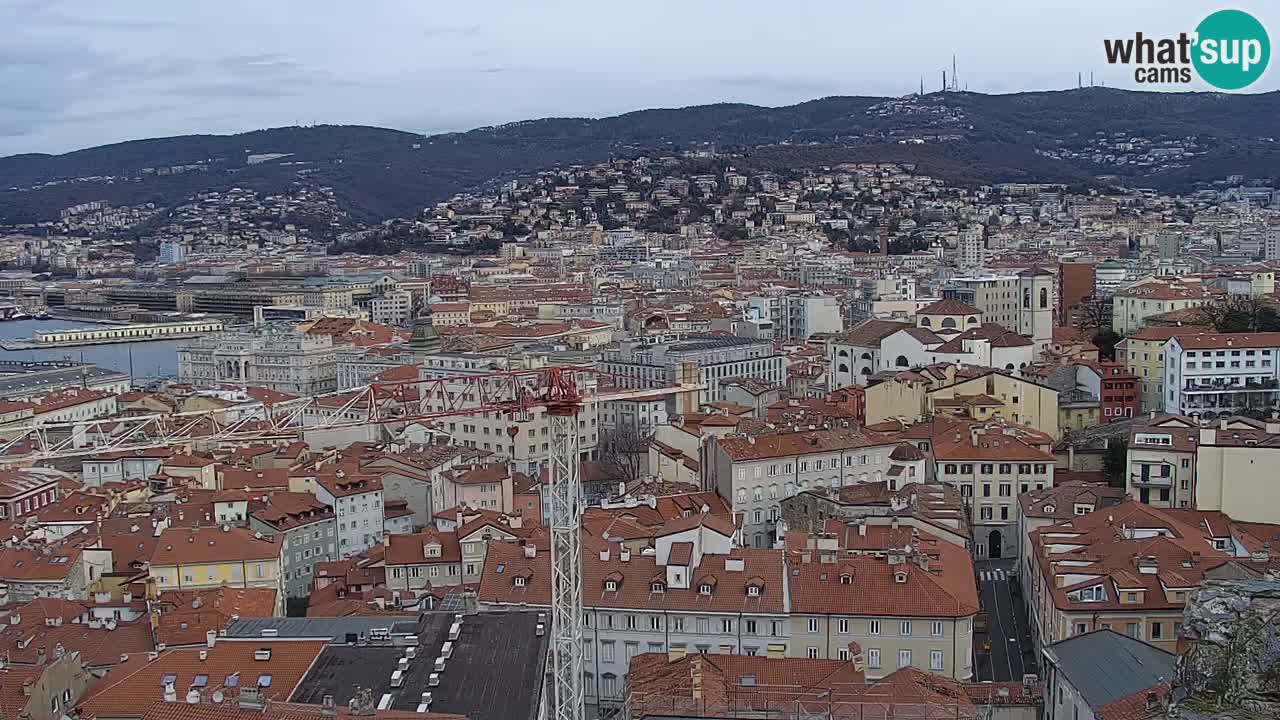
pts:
[1012, 654]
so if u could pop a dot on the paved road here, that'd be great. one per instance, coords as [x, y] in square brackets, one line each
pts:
[1011, 648]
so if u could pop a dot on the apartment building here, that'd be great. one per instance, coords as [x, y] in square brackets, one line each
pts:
[1235, 469]
[25, 491]
[1162, 461]
[205, 558]
[797, 316]
[1221, 374]
[755, 473]
[1040, 508]
[479, 486]
[991, 394]
[424, 561]
[1142, 354]
[714, 359]
[690, 593]
[1134, 304]
[906, 597]
[523, 439]
[394, 308]
[1130, 568]
[991, 465]
[307, 531]
[61, 572]
[357, 503]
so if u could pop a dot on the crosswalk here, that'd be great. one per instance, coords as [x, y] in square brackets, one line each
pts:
[990, 575]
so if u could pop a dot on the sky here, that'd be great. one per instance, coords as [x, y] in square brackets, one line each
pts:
[77, 73]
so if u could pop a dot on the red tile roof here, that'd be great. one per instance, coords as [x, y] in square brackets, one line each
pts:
[182, 546]
[134, 686]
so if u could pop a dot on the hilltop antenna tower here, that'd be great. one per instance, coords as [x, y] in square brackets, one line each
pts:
[955, 76]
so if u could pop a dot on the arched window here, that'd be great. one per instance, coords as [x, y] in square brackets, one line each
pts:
[866, 371]
[948, 322]
[866, 356]
[902, 361]
[971, 320]
[1044, 298]
[843, 368]
[1026, 298]
[925, 321]
[1009, 366]
[843, 353]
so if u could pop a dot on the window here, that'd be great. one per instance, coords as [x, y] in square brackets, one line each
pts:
[606, 651]
[813, 625]
[873, 627]
[631, 622]
[935, 659]
[655, 622]
[843, 654]
[812, 653]
[1157, 631]
[936, 628]
[873, 657]
[904, 658]
[905, 628]
[726, 626]
[843, 626]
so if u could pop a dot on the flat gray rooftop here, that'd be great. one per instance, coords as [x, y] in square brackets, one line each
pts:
[495, 672]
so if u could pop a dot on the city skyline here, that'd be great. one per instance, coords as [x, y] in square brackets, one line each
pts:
[82, 78]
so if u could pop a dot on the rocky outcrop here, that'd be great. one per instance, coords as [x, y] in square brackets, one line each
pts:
[1231, 663]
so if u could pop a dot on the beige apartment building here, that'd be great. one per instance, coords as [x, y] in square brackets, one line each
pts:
[1162, 461]
[1129, 568]
[1133, 305]
[906, 597]
[1236, 466]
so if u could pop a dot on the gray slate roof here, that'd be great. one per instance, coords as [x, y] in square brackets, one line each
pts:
[1104, 665]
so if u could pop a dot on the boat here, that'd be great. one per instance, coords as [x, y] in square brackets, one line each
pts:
[13, 312]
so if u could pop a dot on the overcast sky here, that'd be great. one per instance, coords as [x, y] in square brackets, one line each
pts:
[76, 74]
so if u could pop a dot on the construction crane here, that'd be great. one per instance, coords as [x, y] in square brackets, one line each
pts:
[562, 392]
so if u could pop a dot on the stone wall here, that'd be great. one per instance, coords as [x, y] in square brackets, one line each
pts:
[1230, 666]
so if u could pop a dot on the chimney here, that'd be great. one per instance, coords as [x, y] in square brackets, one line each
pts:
[211, 638]
[695, 673]
[327, 707]
[170, 693]
[26, 687]
[862, 529]
[530, 551]
[855, 657]
[604, 555]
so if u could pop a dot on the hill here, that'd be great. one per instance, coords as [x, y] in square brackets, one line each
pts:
[964, 137]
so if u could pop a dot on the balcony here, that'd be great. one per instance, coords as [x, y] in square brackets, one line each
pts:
[1219, 385]
[1150, 480]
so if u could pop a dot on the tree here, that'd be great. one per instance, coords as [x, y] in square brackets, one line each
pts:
[624, 453]
[1115, 462]
[1106, 340]
[1092, 314]
[1240, 313]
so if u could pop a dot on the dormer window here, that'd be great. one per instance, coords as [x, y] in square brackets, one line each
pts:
[658, 587]
[704, 589]
[753, 591]
[519, 582]
[846, 579]
[900, 577]
[610, 585]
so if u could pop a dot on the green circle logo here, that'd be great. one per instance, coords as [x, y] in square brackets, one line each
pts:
[1232, 49]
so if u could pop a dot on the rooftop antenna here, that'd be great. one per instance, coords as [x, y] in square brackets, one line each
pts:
[944, 81]
[955, 76]
[1079, 79]
[921, 86]
[1090, 78]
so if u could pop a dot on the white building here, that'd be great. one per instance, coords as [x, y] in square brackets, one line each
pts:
[1221, 374]
[357, 504]
[172, 252]
[797, 317]
[285, 361]
[394, 308]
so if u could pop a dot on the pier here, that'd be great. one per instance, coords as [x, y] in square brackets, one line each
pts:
[73, 337]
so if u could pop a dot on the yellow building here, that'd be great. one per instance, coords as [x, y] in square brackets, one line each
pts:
[1143, 355]
[1021, 401]
[202, 558]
